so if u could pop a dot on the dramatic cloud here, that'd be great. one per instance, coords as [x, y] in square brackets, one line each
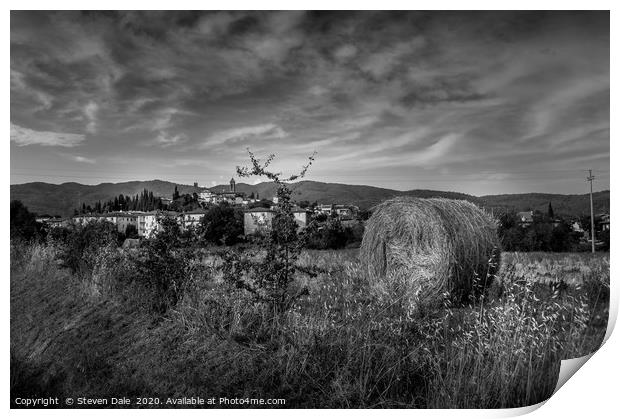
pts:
[24, 136]
[468, 101]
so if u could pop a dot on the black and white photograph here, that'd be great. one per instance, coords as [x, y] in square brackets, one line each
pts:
[304, 209]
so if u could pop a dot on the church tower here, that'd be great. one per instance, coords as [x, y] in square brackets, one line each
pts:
[232, 185]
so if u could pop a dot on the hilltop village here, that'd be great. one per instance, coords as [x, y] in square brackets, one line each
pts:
[193, 207]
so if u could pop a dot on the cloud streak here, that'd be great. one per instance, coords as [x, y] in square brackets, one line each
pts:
[241, 134]
[81, 159]
[24, 137]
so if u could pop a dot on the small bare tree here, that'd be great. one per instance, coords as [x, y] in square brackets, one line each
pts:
[268, 272]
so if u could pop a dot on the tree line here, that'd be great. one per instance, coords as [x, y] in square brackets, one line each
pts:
[545, 233]
[144, 201]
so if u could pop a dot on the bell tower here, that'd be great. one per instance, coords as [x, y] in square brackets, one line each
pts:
[232, 185]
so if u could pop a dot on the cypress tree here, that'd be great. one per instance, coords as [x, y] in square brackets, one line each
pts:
[550, 211]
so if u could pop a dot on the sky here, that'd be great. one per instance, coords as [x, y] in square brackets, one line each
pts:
[474, 102]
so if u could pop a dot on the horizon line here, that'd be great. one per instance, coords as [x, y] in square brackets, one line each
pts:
[307, 180]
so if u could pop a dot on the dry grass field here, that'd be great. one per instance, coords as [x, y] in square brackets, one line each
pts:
[350, 342]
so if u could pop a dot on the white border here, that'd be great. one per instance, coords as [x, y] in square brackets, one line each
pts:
[591, 393]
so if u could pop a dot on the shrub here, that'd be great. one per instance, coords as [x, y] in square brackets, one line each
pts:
[269, 272]
[79, 245]
[165, 267]
[327, 235]
[263, 203]
[221, 225]
[131, 232]
[539, 236]
[604, 237]
[23, 223]
[355, 234]
[114, 276]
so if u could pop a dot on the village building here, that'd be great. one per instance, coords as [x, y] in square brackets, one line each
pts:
[120, 219]
[58, 222]
[124, 220]
[217, 197]
[257, 220]
[302, 216]
[147, 224]
[206, 196]
[343, 211]
[84, 219]
[325, 208]
[109, 217]
[525, 218]
[191, 219]
[576, 226]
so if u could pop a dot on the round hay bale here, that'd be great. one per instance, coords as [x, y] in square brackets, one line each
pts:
[440, 247]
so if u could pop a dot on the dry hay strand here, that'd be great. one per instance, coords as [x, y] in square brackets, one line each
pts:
[441, 247]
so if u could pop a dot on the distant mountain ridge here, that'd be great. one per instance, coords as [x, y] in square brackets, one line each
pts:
[321, 192]
[54, 199]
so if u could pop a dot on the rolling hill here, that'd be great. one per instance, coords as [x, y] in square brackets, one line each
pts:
[360, 195]
[53, 199]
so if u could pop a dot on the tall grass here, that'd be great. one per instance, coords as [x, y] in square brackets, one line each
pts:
[349, 343]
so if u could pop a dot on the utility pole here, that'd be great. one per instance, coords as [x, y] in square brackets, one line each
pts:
[590, 178]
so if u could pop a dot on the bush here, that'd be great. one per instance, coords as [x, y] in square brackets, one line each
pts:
[79, 245]
[114, 276]
[327, 235]
[604, 237]
[355, 234]
[222, 224]
[269, 272]
[131, 232]
[166, 267]
[59, 235]
[537, 237]
[23, 223]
